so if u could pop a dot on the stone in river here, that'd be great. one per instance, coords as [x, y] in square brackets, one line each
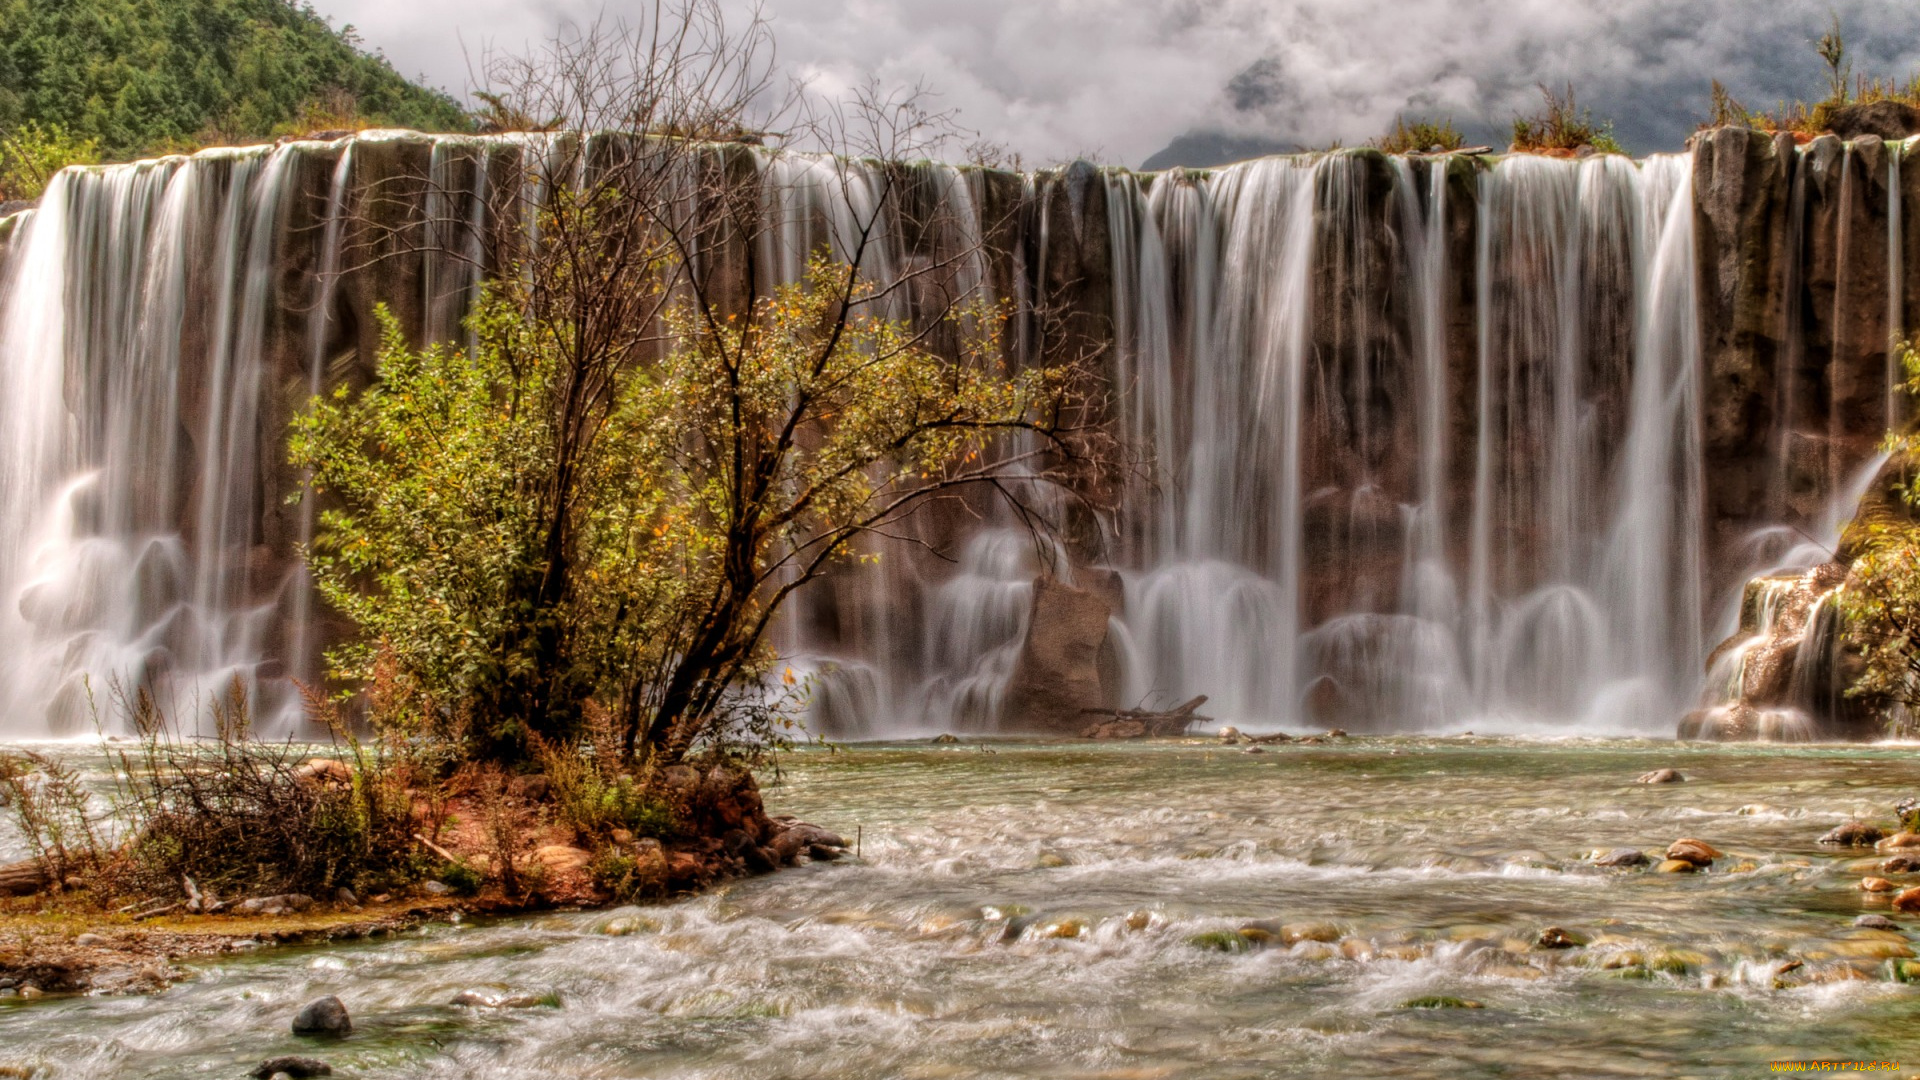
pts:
[1697, 852]
[1875, 922]
[1294, 933]
[1907, 900]
[1901, 864]
[1876, 884]
[300, 1068]
[323, 1016]
[1623, 856]
[1853, 834]
[1661, 776]
[1676, 866]
[1899, 840]
[1553, 937]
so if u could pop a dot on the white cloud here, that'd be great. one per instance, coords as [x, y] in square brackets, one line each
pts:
[1052, 78]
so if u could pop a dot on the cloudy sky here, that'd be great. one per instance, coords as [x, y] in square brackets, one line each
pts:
[1121, 79]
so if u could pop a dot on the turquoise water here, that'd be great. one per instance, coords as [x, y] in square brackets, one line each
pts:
[1031, 910]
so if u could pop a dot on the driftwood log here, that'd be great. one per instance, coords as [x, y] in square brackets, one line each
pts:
[1144, 723]
[24, 878]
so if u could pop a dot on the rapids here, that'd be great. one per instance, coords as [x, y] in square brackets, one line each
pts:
[944, 950]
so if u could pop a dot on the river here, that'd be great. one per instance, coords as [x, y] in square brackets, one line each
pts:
[1022, 909]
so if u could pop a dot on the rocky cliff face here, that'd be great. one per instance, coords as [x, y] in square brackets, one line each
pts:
[1804, 291]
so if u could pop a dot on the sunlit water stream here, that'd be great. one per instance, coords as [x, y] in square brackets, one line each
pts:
[1438, 861]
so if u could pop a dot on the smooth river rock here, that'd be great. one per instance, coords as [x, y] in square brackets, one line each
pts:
[1623, 856]
[1697, 852]
[323, 1016]
[1661, 776]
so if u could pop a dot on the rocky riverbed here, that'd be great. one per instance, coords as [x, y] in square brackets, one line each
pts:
[1393, 906]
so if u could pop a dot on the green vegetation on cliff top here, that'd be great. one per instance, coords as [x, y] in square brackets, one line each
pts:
[138, 76]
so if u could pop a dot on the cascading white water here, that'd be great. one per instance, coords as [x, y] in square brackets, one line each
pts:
[1423, 436]
[150, 347]
[1579, 556]
[130, 495]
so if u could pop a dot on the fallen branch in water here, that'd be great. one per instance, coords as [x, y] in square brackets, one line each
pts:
[1145, 723]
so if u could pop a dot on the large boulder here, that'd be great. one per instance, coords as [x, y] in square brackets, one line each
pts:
[1058, 672]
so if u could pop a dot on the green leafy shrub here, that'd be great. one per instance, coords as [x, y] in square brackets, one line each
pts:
[1880, 602]
[593, 799]
[462, 877]
[627, 879]
[31, 153]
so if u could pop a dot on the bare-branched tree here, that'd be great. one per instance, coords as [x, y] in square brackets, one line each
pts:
[704, 372]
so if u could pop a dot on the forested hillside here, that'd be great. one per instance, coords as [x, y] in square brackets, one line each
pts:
[136, 76]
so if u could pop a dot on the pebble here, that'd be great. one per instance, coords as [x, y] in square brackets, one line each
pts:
[1877, 884]
[1623, 856]
[1907, 900]
[1661, 776]
[1676, 866]
[1697, 852]
[1899, 840]
[1876, 922]
[323, 1016]
[1901, 864]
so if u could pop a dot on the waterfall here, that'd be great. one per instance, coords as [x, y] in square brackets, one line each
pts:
[131, 498]
[1420, 440]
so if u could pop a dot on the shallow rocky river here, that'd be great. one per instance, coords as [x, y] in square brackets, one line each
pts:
[1047, 911]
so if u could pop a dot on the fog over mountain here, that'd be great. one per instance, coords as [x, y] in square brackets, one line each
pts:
[1196, 81]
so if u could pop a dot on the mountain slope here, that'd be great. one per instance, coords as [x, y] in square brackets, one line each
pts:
[141, 75]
